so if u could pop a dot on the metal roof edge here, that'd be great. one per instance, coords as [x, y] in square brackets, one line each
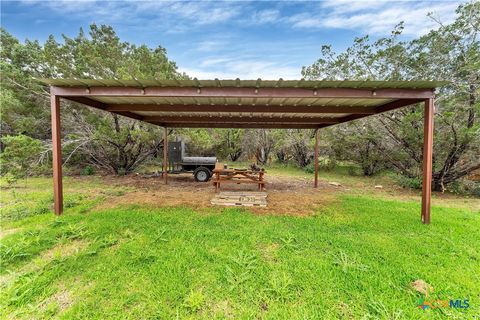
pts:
[247, 83]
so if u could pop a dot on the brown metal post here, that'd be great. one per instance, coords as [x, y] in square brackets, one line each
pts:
[315, 185]
[165, 155]
[57, 155]
[427, 159]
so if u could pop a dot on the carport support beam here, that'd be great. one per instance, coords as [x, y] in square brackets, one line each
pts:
[165, 155]
[427, 159]
[315, 185]
[57, 155]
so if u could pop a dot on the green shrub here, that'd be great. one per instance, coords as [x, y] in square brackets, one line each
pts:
[465, 187]
[87, 171]
[309, 168]
[353, 171]
[472, 187]
[328, 164]
[413, 183]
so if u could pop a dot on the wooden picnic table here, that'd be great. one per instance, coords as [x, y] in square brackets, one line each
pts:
[238, 176]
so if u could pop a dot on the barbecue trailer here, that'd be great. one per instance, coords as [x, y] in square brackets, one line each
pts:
[201, 167]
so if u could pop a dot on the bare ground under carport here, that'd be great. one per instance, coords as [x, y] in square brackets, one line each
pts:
[286, 195]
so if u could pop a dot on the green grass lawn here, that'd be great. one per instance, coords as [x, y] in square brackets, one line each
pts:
[354, 259]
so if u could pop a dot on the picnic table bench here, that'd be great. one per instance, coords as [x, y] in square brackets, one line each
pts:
[238, 176]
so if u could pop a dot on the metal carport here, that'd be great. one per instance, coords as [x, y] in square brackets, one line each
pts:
[238, 103]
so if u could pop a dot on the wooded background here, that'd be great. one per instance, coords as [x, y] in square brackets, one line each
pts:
[96, 141]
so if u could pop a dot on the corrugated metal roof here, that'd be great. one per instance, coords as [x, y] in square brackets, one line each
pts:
[219, 103]
[259, 83]
[241, 101]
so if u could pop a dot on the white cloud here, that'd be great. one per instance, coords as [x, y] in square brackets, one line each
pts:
[214, 61]
[228, 68]
[106, 11]
[266, 16]
[305, 20]
[202, 74]
[210, 45]
[346, 6]
[176, 14]
[378, 17]
[202, 13]
[373, 17]
[63, 5]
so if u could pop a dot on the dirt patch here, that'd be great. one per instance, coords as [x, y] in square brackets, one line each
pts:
[296, 202]
[63, 250]
[269, 251]
[422, 287]
[222, 308]
[286, 195]
[4, 233]
[61, 300]
[344, 311]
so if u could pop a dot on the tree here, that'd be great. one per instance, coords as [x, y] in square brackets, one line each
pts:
[110, 142]
[20, 155]
[228, 143]
[361, 146]
[450, 53]
[259, 143]
[23, 99]
[298, 144]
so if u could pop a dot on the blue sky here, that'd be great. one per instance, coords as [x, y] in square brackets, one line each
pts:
[249, 40]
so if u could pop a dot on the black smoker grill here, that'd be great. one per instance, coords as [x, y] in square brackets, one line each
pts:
[178, 163]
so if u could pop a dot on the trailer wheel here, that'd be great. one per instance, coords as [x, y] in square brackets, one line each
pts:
[202, 174]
